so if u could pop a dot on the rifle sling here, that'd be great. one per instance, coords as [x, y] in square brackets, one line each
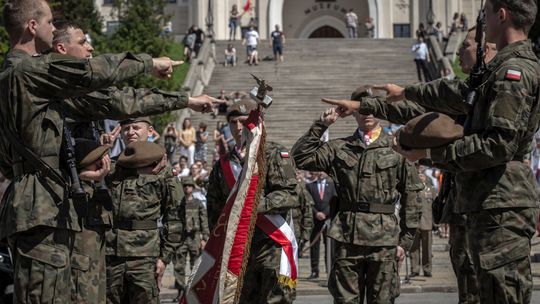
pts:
[38, 164]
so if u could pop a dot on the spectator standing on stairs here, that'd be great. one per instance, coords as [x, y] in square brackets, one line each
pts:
[251, 40]
[352, 23]
[276, 43]
[421, 58]
[233, 22]
[370, 28]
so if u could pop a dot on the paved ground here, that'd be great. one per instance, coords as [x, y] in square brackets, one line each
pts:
[413, 298]
[443, 280]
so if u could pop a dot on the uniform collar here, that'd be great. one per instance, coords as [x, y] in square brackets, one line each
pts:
[521, 49]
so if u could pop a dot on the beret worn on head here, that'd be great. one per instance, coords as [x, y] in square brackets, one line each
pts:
[241, 108]
[136, 119]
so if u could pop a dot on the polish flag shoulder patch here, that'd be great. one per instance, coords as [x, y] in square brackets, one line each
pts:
[513, 75]
[284, 154]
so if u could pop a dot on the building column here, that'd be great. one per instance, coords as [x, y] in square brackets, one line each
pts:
[275, 15]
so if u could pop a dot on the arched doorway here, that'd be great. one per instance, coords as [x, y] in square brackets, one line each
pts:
[326, 31]
[300, 19]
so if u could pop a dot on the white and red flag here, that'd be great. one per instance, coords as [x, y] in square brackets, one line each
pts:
[217, 278]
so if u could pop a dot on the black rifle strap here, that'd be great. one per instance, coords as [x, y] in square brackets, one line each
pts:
[29, 155]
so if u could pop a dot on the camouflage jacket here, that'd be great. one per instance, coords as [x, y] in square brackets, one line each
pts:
[145, 198]
[98, 210]
[427, 195]
[279, 192]
[488, 161]
[363, 175]
[196, 218]
[302, 215]
[35, 92]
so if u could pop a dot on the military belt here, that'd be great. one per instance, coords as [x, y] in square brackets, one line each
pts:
[135, 225]
[23, 167]
[366, 207]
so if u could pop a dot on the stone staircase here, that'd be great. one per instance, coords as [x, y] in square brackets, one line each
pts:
[312, 69]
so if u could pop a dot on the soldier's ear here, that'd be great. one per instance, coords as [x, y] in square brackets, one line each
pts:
[60, 48]
[32, 26]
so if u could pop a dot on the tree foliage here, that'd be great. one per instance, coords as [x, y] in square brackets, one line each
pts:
[4, 39]
[140, 32]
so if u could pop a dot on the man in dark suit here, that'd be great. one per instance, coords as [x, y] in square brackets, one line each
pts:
[323, 192]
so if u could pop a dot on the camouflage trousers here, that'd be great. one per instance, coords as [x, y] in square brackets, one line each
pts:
[132, 280]
[88, 276]
[261, 280]
[501, 253]
[422, 244]
[190, 247]
[42, 265]
[364, 271]
[462, 264]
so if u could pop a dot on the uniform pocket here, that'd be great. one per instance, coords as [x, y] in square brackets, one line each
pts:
[43, 269]
[504, 253]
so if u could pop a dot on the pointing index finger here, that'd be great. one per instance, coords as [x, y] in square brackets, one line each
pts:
[331, 101]
[177, 62]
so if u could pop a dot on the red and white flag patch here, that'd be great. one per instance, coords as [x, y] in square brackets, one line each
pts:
[284, 154]
[513, 75]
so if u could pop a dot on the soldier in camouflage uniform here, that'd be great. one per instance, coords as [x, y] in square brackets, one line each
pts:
[137, 252]
[302, 216]
[37, 216]
[423, 240]
[195, 234]
[88, 258]
[70, 40]
[261, 283]
[370, 179]
[494, 187]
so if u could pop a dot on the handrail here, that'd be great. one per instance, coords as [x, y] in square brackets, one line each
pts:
[439, 62]
[199, 74]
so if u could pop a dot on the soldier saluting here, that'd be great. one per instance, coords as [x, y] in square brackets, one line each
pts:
[495, 188]
[370, 179]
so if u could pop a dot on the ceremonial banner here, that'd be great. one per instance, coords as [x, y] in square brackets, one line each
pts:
[217, 277]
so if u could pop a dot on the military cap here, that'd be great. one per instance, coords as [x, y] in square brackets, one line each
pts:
[241, 108]
[141, 154]
[136, 119]
[88, 151]
[188, 181]
[429, 130]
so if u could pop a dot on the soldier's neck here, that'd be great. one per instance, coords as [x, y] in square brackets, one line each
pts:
[29, 49]
[509, 36]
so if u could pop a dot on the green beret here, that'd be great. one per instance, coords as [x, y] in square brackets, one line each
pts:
[88, 151]
[429, 130]
[141, 154]
[188, 181]
[241, 108]
[136, 119]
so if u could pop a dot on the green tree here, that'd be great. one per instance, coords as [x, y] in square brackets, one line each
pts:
[4, 39]
[140, 32]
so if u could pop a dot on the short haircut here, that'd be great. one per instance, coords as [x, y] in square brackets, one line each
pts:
[523, 12]
[18, 12]
[61, 33]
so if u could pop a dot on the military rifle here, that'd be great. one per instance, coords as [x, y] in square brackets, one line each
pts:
[477, 73]
[77, 191]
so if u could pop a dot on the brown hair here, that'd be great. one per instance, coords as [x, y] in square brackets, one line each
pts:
[61, 34]
[523, 12]
[18, 12]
